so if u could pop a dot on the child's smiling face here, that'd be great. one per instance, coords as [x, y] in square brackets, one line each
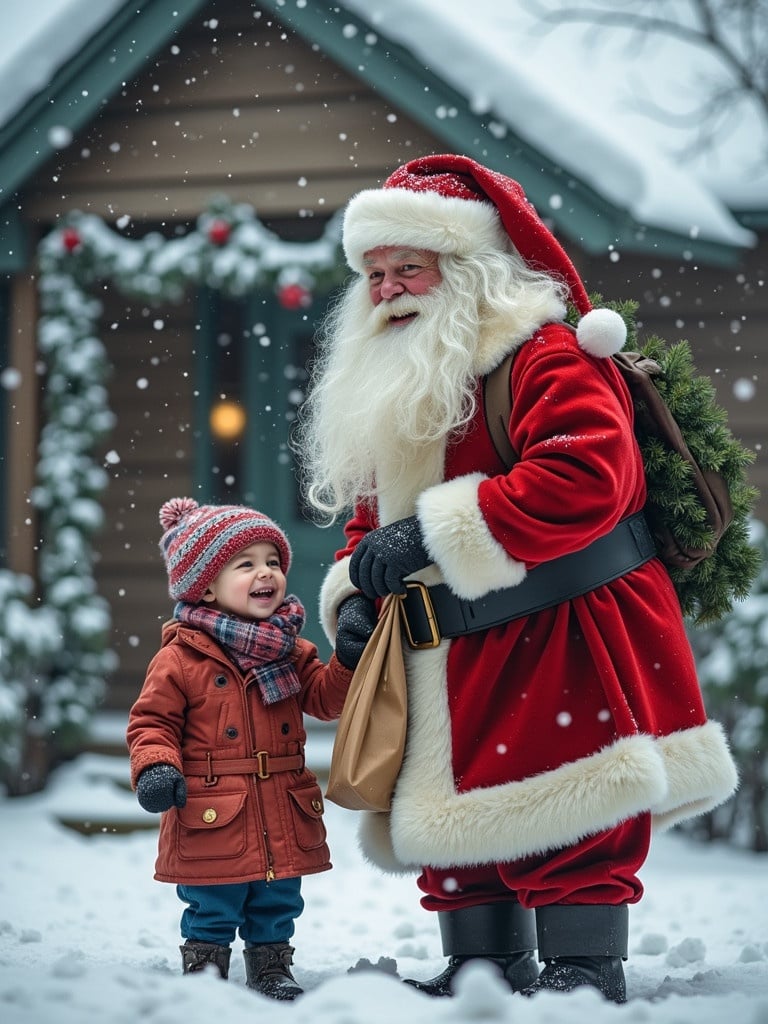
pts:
[251, 585]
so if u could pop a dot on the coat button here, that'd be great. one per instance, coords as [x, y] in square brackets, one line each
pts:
[220, 681]
[317, 806]
[231, 732]
[285, 728]
[209, 815]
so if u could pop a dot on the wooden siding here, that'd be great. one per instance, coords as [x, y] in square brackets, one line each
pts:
[247, 109]
[150, 389]
[22, 405]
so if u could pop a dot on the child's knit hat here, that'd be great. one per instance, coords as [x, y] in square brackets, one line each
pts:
[199, 540]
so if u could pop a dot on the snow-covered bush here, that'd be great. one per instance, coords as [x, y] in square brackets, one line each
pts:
[30, 640]
[732, 658]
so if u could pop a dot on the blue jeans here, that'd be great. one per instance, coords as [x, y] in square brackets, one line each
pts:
[260, 912]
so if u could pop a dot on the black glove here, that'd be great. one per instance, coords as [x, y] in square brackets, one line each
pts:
[357, 620]
[161, 786]
[384, 557]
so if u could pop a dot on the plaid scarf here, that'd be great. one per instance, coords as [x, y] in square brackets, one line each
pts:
[261, 646]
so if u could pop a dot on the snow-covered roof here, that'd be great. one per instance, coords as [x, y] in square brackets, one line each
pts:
[37, 37]
[564, 92]
[561, 91]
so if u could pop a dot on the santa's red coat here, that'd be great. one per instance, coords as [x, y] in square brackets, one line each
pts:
[529, 736]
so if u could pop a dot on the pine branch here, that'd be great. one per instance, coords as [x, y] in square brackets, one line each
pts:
[707, 590]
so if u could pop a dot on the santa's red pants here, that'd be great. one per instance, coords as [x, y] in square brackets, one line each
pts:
[599, 869]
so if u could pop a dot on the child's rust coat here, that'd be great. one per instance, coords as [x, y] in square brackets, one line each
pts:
[262, 821]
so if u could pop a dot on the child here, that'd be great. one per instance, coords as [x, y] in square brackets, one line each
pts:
[217, 742]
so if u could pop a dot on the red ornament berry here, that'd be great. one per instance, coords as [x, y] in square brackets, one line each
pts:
[294, 296]
[219, 232]
[70, 239]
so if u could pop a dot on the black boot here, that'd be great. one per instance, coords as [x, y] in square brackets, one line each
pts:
[503, 934]
[582, 945]
[268, 970]
[195, 956]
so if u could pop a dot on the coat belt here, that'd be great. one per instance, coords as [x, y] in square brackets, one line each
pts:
[432, 614]
[262, 764]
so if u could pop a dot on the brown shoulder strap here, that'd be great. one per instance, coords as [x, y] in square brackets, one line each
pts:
[497, 396]
[497, 401]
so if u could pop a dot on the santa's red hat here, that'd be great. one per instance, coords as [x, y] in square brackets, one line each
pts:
[452, 204]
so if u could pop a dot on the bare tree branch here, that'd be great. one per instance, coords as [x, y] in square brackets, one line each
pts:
[733, 32]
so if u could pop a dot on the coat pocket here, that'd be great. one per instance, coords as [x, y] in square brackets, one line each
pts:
[212, 825]
[307, 811]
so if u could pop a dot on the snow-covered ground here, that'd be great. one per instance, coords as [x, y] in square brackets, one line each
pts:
[87, 936]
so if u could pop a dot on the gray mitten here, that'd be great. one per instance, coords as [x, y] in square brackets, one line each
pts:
[384, 557]
[356, 622]
[160, 787]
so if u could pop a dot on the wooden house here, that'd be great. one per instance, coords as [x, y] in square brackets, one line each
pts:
[289, 108]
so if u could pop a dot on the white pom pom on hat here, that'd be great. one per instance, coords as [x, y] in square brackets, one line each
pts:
[174, 510]
[601, 332]
[452, 204]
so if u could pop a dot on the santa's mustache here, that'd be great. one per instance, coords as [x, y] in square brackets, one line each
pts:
[391, 309]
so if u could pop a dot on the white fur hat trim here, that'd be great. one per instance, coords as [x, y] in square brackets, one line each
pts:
[420, 220]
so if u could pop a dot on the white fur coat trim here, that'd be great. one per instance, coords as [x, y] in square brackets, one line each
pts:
[700, 770]
[430, 823]
[457, 538]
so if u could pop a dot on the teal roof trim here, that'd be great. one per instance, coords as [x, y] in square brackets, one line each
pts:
[582, 215]
[755, 220]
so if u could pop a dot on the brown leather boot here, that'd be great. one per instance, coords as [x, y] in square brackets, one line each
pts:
[268, 970]
[502, 934]
[195, 956]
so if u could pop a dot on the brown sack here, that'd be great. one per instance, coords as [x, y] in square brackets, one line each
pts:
[653, 412]
[370, 736]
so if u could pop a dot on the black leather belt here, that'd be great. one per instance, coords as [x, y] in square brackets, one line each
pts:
[432, 614]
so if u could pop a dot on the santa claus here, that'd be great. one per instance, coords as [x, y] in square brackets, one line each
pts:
[555, 718]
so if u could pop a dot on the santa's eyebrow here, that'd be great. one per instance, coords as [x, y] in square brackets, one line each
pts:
[400, 256]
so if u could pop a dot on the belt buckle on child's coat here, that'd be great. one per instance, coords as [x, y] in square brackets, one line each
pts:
[262, 764]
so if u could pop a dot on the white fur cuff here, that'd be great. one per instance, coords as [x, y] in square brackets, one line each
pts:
[457, 537]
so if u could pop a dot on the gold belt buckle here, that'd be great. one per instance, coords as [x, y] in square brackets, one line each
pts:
[262, 761]
[210, 779]
[429, 611]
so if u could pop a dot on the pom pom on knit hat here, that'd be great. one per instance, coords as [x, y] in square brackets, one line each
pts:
[199, 540]
[452, 204]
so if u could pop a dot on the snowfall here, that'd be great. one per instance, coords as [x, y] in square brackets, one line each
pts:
[87, 935]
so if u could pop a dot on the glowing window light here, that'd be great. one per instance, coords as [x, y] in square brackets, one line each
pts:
[227, 420]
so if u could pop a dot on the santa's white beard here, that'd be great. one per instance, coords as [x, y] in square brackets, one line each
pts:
[388, 396]
[385, 400]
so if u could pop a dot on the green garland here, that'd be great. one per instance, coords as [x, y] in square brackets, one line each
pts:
[706, 591]
[55, 653]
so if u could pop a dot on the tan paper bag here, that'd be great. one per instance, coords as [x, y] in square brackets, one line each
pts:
[370, 736]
